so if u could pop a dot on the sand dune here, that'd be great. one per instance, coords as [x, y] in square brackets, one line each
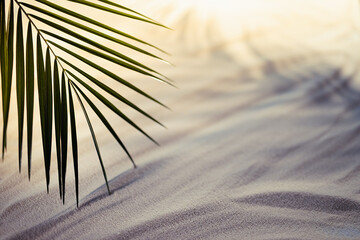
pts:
[262, 141]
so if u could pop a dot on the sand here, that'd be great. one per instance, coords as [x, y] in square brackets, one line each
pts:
[262, 140]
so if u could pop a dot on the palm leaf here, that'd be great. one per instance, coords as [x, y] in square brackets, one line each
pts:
[114, 109]
[89, 29]
[125, 8]
[29, 92]
[106, 57]
[20, 81]
[57, 117]
[97, 45]
[55, 93]
[7, 37]
[64, 132]
[106, 72]
[3, 62]
[112, 10]
[42, 99]
[107, 89]
[74, 144]
[103, 119]
[2, 22]
[93, 137]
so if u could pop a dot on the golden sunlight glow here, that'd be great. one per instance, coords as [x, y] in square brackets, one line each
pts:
[240, 7]
[233, 13]
[256, 7]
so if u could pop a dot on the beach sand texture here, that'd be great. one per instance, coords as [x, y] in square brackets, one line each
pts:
[263, 138]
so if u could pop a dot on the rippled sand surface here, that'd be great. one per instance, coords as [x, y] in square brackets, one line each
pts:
[263, 139]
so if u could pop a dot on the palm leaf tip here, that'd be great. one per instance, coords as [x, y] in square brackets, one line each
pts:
[125, 8]
[105, 88]
[104, 120]
[106, 72]
[93, 137]
[97, 53]
[113, 10]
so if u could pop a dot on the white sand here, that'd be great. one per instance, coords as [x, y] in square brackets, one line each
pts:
[262, 141]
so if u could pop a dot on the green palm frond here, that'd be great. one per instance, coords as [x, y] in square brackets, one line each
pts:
[58, 78]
